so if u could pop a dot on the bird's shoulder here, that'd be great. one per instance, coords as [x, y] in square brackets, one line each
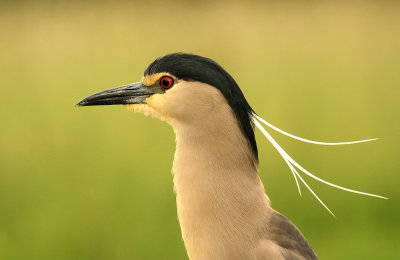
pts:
[293, 245]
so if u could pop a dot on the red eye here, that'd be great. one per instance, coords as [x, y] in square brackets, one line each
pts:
[166, 82]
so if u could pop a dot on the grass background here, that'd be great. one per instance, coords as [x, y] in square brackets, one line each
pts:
[95, 183]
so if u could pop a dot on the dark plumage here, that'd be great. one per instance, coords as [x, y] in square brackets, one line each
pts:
[191, 67]
[288, 236]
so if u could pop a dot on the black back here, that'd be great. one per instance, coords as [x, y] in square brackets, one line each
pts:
[191, 67]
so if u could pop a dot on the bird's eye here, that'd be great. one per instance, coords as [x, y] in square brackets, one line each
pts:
[166, 82]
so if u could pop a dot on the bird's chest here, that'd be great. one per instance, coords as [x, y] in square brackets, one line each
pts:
[215, 210]
[211, 226]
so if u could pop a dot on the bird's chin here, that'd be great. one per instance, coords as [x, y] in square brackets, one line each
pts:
[144, 109]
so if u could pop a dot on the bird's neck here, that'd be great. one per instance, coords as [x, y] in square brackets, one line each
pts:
[220, 198]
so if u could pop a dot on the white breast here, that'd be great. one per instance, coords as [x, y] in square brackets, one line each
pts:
[222, 207]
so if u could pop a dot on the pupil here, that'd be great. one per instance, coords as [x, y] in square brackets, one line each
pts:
[165, 82]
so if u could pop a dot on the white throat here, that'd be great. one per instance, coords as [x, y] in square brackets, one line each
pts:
[221, 202]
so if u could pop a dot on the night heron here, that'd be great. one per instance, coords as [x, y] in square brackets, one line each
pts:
[223, 210]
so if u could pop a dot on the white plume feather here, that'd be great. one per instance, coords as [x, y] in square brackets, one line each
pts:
[293, 164]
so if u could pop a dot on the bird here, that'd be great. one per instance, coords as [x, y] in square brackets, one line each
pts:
[222, 207]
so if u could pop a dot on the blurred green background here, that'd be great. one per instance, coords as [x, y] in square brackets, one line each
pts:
[96, 183]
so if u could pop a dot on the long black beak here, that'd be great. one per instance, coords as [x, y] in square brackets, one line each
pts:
[135, 93]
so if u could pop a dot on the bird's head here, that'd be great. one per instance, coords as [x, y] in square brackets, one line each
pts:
[188, 91]
[182, 88]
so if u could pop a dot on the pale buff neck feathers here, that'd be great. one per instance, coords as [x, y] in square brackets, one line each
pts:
[222, 207]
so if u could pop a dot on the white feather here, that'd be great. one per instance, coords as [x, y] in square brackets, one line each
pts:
[292, 163]
[306, 140]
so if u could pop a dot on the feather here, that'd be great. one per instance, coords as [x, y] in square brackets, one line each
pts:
[293, 164]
